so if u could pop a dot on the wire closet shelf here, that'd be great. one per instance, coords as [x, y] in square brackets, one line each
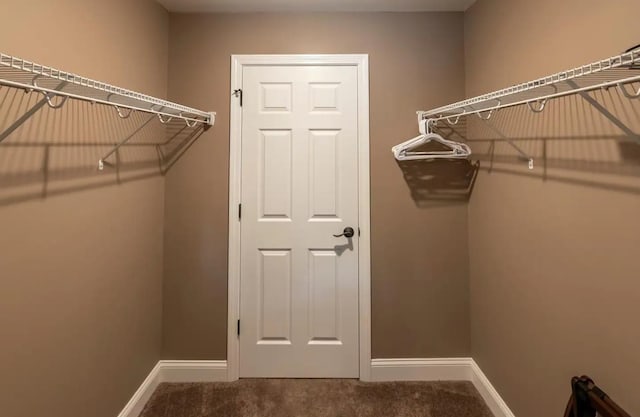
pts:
[618, 71]
[57, 86]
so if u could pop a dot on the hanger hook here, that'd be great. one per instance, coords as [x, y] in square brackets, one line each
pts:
[491, 111]
[541, 105]
[448, 119]
[123, 115]
[488, 116]
[192, 124]
[50, 102]
[164, 121]
[47, 96]
[626, 92]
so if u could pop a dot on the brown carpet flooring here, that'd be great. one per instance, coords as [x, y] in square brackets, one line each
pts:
[316, 398]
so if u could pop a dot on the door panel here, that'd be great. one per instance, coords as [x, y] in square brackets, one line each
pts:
[275, 297]
[275, 174]
[324, 317]
[324, 174]
[299, 283]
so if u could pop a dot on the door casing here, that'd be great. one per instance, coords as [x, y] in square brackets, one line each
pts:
[361, 62]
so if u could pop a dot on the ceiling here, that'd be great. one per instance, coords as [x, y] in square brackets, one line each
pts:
[315, 5]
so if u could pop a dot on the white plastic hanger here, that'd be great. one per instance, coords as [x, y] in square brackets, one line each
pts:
[404, 151]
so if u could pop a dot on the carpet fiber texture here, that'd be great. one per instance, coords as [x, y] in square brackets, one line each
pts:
[316, 398]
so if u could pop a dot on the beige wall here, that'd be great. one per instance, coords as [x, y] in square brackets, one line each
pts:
[551, 251]
[554, 275]
[419, 236]
[80, 253]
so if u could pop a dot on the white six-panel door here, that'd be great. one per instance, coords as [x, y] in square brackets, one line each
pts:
[299, 283]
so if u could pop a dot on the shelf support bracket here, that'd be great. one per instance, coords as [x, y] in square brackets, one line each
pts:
[522, 153]
[103, 161]
[511, 143]
[606, 113]
[8, 131]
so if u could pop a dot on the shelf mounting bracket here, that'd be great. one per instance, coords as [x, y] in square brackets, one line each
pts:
[103, 161]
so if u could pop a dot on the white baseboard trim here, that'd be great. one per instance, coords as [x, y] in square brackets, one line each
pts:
[174, 371]
[447, 369]
[193, 371]
[453, 369]
[137, 402]
[494, 401]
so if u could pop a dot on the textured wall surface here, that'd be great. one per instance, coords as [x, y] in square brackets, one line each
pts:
[554, 280]
[80, 252]
[419, 213]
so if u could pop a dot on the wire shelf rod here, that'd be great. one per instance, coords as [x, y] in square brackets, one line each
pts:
[54, 92]
[93, 91]
[607, 73]
[541, 98]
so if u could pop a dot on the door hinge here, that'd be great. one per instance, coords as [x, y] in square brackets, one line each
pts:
[238, 93]
[239, 211]
[238, 327]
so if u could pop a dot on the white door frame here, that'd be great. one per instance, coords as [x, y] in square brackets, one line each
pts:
[361, 62]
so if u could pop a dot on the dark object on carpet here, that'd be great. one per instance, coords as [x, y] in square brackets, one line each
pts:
[316, 398]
